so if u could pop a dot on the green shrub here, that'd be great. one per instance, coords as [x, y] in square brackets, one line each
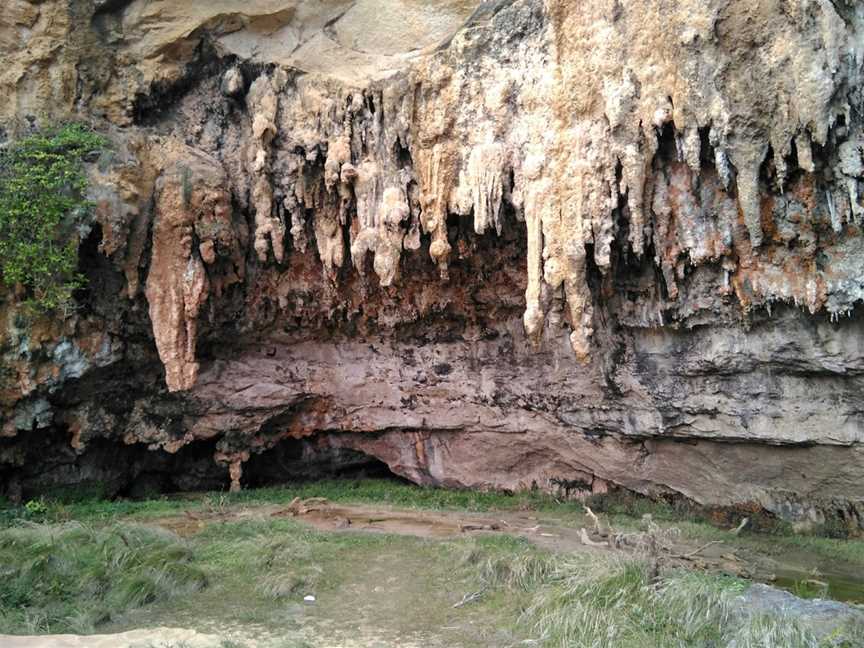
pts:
[42, 203]
[36, 508]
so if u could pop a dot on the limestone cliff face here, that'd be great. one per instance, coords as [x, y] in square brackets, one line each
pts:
[501, 244]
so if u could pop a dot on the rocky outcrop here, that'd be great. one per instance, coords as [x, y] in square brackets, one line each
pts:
[826, 620]
[616, 244]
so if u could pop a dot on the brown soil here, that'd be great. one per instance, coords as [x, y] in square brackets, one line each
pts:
[543, 530]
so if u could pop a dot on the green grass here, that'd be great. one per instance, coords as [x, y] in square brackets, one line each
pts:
[851, 551]
[72, 577]
[623, 513]
[369, 491]
[626, 515]
[260, 569]
[113, 573]
[582, 601]
[402, 494]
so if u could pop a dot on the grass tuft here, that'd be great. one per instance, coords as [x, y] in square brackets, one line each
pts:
[586, 601]
[71, 577]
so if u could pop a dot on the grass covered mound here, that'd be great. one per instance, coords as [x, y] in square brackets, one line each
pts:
[71, 578]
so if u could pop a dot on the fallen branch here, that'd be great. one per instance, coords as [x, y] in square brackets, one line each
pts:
[469, 598]
[688, 556]
[588, 542]
[597, 526]
[302, 507]
[479, 527]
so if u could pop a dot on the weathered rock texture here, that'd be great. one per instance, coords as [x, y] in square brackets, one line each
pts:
[504, 244]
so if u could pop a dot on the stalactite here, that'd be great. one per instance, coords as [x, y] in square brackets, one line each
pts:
[262, 102]
[191, 201]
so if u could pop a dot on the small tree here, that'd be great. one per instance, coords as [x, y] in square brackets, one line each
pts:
[42, 202]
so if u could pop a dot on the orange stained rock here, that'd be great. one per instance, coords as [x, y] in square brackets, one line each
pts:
[188, 192]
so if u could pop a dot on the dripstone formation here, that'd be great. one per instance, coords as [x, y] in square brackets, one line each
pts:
[506, 244]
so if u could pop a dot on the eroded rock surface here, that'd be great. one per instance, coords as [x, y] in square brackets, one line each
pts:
[828, 621]
[493, 244]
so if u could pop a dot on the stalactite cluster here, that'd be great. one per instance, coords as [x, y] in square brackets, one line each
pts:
[653, 118]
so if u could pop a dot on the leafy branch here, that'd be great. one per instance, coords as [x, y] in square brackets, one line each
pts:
[43, 201]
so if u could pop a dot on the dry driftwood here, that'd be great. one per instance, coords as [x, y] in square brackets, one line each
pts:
[302, 506]
[741, 526]
[588, 542]
[480, 527]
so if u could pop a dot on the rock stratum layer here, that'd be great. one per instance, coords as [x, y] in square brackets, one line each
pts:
[503, 244]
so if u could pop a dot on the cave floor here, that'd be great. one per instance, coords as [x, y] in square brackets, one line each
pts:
[387, 575]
